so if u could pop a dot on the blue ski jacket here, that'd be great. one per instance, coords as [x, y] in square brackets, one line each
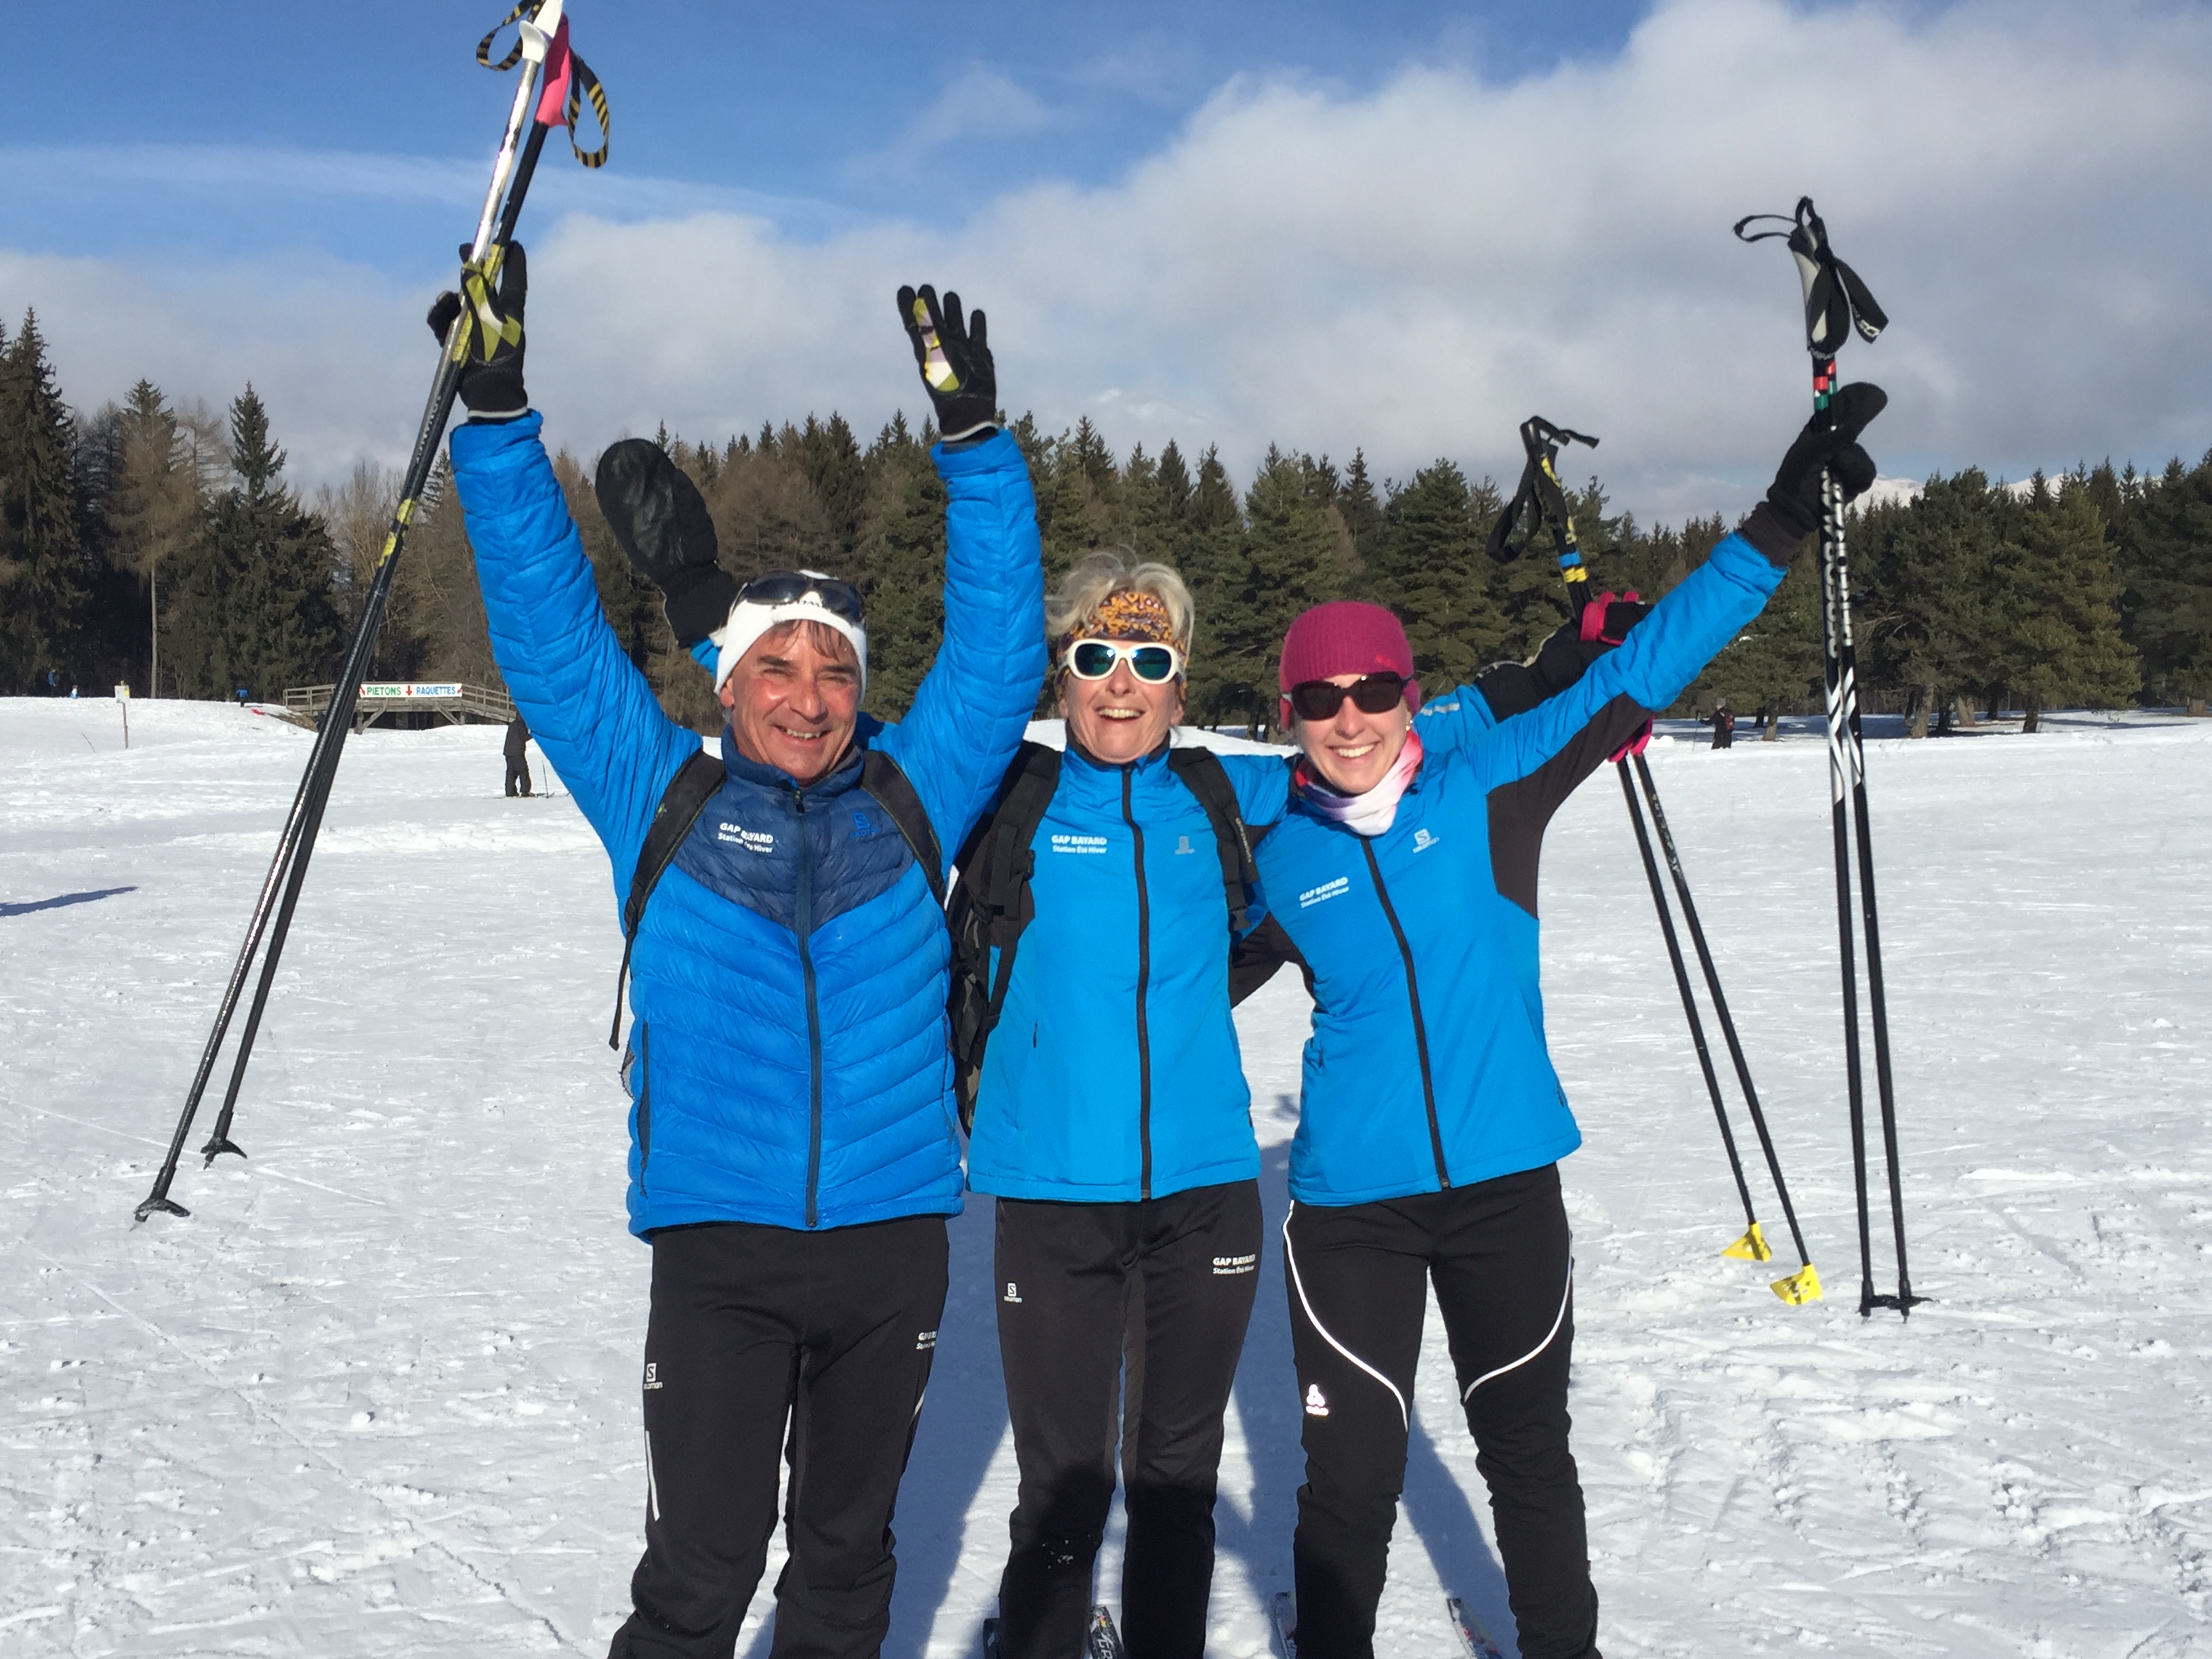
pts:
[1427, 1066]
[1113, 1073]
[787, 1061]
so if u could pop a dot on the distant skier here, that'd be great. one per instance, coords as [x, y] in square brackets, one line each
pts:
[518, 757]
[1403, 881]
[1724, 726]
[793, 1154]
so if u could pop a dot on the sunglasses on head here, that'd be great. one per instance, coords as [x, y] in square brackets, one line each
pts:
[789, 586]
[1319, 700]
[1094, 659]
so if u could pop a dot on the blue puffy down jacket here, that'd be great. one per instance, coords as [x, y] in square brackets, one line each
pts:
[1426, 1067]
[788, 1060]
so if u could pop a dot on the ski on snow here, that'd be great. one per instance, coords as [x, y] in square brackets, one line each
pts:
[1473, 1638]
[1104, 1642]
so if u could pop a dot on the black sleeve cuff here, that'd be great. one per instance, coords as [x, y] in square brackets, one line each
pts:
[1766, 530]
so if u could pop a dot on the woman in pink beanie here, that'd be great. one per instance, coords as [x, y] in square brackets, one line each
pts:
[1402, 878]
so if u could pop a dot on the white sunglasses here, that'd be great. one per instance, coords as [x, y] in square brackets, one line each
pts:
[1094, 659]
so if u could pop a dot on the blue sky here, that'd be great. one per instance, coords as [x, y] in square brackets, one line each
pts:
[1393, 226]
[215, 140]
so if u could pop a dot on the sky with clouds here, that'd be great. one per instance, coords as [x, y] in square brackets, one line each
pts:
[1399, 226]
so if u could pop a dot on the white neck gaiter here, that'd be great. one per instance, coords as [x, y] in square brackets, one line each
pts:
[1371, 813]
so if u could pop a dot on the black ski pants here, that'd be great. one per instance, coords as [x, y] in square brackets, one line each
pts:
[1358, 1277]
[1168, 1283]
[754, 1330]
[518, 772]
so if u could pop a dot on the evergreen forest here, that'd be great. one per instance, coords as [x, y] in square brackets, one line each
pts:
[160, 543]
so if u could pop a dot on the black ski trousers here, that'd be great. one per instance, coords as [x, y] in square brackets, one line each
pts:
[518, 772]
[754, 1330]
[1358, 1277]
[1168, 1282]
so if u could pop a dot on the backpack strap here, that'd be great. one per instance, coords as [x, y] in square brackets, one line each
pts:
[686, 797]
[989, 908]
[882, 777]
[1204, 775]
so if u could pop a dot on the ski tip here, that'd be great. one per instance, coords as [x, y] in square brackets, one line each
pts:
[1474, 1639]
[1283, 1612]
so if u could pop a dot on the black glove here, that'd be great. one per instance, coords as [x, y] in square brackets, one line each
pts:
[1829, 442]
[491, 343]
[956, 361]
[659, 517]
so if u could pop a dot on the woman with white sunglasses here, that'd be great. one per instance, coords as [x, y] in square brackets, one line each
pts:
[1111, 1116]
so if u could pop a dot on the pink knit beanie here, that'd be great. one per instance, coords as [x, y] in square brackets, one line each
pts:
[1345, 637]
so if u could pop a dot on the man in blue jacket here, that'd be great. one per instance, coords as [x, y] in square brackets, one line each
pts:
[793, 1152]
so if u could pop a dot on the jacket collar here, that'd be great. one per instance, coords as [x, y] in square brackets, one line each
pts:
[845, 775]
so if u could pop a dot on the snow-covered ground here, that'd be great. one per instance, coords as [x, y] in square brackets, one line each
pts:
[376, 1396]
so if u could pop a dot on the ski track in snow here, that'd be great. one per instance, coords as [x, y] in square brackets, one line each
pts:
[376, 1396]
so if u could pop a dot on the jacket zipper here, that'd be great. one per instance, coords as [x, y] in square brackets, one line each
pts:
[804, 918]
[1144, 983]
[1420, 1029]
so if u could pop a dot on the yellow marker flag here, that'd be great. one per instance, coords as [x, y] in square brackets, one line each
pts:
[1799, 1287]
[1751, 1247]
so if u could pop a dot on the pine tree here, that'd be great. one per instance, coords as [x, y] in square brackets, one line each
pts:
[2162, 537]
[43, 588]
[903, 559]
[2058, 604]
[255, 607]
[1433, 572]
[1294, 557]
[1922, 580]
[1222, 683]
[1362, 513]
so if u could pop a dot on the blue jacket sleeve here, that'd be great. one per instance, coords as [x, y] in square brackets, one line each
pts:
[974, 703]
[1262, 783]
[1663, 655]
[588, 707]
[1454, 719]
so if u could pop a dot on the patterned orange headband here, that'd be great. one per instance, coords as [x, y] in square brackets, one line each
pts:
[1126, 614]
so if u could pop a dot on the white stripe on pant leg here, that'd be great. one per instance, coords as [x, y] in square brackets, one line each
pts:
[1558, 1320]
[651, 1486]
[1299, 1285]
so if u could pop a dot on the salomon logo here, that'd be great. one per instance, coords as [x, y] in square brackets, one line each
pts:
[1422, 841]
[652, 1374]
[1316, 1402]
[1328, 890]
[1182, 846]
[753, 841]
[1012, 1294]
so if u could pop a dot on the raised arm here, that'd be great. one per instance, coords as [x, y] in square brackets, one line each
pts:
[589, 708]
[974, 703]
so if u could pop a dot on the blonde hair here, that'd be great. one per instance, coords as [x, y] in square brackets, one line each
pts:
[1104, 572]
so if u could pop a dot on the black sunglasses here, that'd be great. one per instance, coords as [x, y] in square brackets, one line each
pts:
[788, 586]
[1319, 700]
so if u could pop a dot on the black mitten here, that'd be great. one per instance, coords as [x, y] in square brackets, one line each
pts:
[1828, 443]
[662, 523]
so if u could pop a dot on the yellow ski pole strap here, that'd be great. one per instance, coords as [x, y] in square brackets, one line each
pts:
[526, 9]
[587, 85]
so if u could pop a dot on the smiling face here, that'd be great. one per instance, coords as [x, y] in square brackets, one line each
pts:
[1355, 751]
[1120, 718]
[792, 700]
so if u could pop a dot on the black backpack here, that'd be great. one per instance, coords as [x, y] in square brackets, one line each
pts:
[991, 903]
[686, 797]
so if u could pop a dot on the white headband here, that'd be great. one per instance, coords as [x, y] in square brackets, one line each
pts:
[749, 620]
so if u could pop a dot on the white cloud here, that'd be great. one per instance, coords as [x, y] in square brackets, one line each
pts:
[1412, 269]
[978, 105]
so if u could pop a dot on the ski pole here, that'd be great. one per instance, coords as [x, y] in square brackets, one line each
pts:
[1811, 1280]
[1540, 499]
[1837, 302]
[558, 80]
[1753, 1236]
